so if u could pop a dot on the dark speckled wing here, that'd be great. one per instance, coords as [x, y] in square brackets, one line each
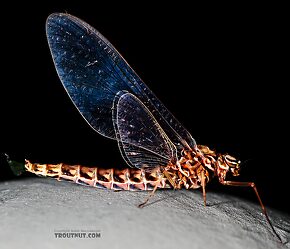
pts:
[93, 72]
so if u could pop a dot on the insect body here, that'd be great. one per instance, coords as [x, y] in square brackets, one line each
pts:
[190, 172]
[117, 104]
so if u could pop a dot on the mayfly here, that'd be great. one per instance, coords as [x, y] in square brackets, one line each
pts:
[117, 104]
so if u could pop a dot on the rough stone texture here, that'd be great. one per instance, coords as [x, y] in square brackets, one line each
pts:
[32, 209]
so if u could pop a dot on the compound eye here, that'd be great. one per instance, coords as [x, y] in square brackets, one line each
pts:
[230, 160]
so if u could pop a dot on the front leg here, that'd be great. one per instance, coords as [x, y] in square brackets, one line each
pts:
[253, 185]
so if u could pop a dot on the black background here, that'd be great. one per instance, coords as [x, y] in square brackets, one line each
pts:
[219, 70]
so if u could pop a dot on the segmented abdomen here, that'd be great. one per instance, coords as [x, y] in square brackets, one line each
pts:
[117, 179]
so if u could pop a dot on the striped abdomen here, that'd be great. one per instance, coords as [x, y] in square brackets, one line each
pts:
[117, 179]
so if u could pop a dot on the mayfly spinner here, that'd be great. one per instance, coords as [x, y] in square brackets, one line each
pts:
[117, 104]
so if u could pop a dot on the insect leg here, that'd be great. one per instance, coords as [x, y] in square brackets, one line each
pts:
[253, 185]
[169, 178]
[203, 187]
[152, 192]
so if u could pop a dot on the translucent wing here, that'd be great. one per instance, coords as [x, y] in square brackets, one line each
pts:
[93, 72]
[142, 141]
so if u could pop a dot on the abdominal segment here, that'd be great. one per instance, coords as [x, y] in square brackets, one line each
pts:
[116, 179]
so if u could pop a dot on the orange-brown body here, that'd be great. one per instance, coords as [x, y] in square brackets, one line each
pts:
[189, 172]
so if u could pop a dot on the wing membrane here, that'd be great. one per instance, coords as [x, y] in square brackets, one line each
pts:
[93, 72]
[142, 141]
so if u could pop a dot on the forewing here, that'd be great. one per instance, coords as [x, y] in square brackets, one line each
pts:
[93, 72]
[142, 141]
[87, 68]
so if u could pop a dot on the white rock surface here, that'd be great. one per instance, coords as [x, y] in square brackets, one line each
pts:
[33, 209]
